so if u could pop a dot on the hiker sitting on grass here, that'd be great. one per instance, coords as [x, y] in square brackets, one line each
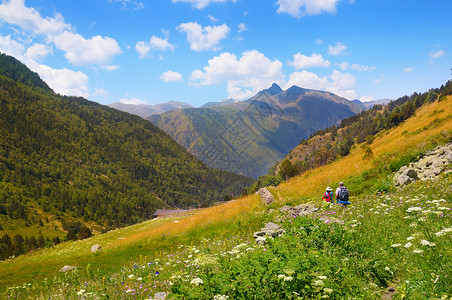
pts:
[342, 195]
[328, 195]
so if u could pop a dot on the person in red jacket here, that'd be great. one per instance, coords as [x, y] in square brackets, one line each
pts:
[328, 195]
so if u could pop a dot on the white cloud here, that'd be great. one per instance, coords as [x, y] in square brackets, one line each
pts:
[155, 43]
[126, 3]
[63, 81]
[301, 61]
[437, 54]
[242, 27]
[200, 4]
[344, 66]
[206, 38]
[134, 101]
[80, 51]
[408, 69]
[38, 52]
[336, 50]
[15, 12]
[171, 76]
[245, 76]
[212, 18]
[366, 98]
[11, 47]
[100, 93]
[319, 41]
[310, 7]
[341, 84]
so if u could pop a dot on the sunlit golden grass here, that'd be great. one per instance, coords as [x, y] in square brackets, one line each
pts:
[313, 182]
[200, 218]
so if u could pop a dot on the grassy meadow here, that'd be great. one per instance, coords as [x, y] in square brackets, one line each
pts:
[388, 237]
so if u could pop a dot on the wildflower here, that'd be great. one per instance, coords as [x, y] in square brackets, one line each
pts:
[396, 245]
[414, 208]
[139, 278]
[427, 243]
[207, 260]
[197, 281]
[322, 277]
[387, 269]
[418, 251]
[288, 278]
[408, 245]
[327, 290]
[413, 225]
[80, 292]
[318, 283]
[410, 238]
[131, 276]
[220, 297]
[281, 276]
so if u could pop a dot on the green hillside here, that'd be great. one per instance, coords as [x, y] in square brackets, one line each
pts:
[250, 136]
[394, 244]
[66, 159]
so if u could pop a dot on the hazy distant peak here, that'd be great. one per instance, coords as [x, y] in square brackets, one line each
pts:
[274, 89]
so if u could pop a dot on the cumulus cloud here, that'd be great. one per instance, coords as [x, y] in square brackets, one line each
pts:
[134, 101]
[437, 54]
[155, 43]
[206, 38]
[200, 4]
[301, 61]
[16, 13]
[336, 50]
[11, 47]
[212, 18]
[245, 76]
[80, 51]
[298, 8]
[63, 81]
[38, 52]
[408, 69]
[171, 76]
[341, 84]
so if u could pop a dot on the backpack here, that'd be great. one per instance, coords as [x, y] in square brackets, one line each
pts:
[327, 196]
[344, 194]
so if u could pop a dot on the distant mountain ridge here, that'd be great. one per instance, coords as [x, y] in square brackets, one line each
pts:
[145, 111]
[247, 137]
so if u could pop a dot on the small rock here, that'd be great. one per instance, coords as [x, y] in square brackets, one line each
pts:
[67, 268]
[160, 295]
[266, 196]
[96, 248]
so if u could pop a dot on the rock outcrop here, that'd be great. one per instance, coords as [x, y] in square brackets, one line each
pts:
[67, 268]
[299, 210]
[266, 196]
[431, 165]
[96, 248]
[270, 230]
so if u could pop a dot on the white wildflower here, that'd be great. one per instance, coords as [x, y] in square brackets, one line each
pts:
[322, 277]
[131, 276]
[220, 297]
[408, 245]
[413, 225]
[139, 278]
[410, 238]
[327, 290]
[443, 208]
[80, 292]
[288, 278]
[387, 269]
[197, 281]
[414, 208]
[318, 283]
[418, 251]
[396, 245]
[427, 243]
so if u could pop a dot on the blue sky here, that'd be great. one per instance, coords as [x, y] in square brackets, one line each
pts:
[197, 51]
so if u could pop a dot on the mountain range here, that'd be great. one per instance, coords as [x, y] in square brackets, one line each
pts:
[67, 158]
[247, 137]
[145, 111]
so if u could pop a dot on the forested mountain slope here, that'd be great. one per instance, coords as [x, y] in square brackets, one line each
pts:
[248, 137]
[67, 157]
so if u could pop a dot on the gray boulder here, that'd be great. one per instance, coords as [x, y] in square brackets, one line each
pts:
[266, 196]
